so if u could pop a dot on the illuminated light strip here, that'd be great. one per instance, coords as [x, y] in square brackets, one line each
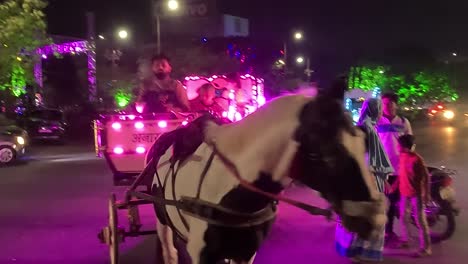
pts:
[76, 47]
[257, 95]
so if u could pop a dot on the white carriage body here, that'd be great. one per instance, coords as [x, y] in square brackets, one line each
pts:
[124, 139]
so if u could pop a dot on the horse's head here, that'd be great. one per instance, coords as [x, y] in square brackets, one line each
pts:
[331, 160]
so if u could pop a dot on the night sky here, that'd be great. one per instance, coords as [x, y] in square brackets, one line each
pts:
[342, 29]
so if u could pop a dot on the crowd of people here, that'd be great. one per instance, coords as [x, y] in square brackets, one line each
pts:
[399, 172]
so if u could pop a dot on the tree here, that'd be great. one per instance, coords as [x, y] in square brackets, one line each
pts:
[367, 77]
[425, 86]
[23, 30]
[418, 87]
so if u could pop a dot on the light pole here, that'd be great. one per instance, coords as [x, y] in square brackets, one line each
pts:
[172, 5]
[308, 72]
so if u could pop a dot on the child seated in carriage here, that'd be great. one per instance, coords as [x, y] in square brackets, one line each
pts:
[205, 102]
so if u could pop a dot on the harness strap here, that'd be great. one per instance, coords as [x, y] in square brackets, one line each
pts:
[209, 212]
[174, 174]
[218, 215]
[203, 174]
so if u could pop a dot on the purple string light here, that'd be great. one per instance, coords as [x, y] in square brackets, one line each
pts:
[76, 47]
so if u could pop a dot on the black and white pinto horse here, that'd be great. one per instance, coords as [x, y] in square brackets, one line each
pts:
[230, 175]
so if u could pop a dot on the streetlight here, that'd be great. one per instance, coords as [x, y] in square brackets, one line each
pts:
[454, 54]
[298, 35]
[123, 34]
[101, 37]
[172, 5]
[300, 60]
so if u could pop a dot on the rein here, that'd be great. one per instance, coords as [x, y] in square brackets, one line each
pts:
[313, 210]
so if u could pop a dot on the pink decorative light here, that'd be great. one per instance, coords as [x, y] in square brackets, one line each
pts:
[116, 126]
[162, 124]
[118, 150]
[139, 109]
[261, 100]
[184, 123]
[237, 116]
[64, 48]
[140, 150]
[139, 125]
[44, 56]
[257, 97]
[131, 117]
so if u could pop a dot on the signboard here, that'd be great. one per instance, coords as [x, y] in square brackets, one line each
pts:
[235, 26]
[145, 137]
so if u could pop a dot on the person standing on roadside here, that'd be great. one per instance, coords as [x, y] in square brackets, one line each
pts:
[390, 127]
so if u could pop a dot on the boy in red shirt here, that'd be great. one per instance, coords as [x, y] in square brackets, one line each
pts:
[415, 192]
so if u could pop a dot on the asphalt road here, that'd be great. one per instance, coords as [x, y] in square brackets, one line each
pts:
[53, 204]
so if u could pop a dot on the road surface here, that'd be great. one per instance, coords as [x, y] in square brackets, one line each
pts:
[53, 204]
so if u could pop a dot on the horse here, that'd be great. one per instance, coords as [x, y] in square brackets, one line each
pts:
[216, 185]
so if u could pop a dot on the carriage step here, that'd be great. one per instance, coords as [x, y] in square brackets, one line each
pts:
[104, 235]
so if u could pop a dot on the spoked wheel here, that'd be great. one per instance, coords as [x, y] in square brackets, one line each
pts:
[112, 235]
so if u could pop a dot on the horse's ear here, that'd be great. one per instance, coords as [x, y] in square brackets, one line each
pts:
[337, 89]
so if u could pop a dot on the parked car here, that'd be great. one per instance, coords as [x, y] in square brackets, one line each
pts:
[45, 124]
[12, 141]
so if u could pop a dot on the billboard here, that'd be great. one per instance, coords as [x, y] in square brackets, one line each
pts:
[235, 26]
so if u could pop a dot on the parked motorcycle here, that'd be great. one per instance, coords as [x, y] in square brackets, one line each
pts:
[441, 211]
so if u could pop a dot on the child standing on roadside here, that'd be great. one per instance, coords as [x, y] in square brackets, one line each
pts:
[415, 193]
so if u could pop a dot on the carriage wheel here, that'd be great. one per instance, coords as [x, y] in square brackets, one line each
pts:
[114, 236]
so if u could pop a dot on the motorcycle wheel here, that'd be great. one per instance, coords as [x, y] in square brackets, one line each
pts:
[448, 227]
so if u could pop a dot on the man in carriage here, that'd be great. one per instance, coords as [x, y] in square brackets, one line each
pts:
[160, 93]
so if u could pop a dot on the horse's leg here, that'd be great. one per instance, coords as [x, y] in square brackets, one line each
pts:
[196, 242]
[167, 243]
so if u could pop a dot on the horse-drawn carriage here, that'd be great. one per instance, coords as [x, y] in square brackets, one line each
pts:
[216, 186]
[125, 139]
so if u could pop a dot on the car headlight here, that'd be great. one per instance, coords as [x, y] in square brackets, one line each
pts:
[20, 140]
[449, 114]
